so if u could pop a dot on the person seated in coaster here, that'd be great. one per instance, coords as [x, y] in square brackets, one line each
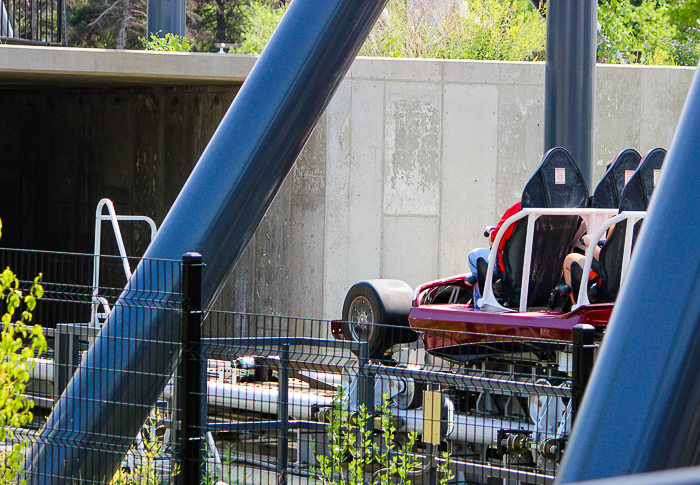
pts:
[483, 253]
[578, 256]
[579, 259]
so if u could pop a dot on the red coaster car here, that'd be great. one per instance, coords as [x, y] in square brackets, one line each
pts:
[529, 299]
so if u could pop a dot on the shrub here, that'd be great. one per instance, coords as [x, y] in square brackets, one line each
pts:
[146, 472]
[686, 48]
[485, 29]
[635, 34]
[16, 359]
[258, 27]
[170, 43]
[352, 448]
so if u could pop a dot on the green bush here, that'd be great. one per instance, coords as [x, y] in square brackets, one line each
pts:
[635, 34]
[351, 449]
[146, 471]
[16, 359]
[486, 29]
[489, 29]
[686, 47]
[258, 27]
[170, 43]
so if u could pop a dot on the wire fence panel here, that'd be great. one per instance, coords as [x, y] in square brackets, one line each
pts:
[271, 399]
[477, 410]
[73, 312]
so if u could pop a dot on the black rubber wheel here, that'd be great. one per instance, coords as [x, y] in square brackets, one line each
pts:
[412, 397]
[376, 311]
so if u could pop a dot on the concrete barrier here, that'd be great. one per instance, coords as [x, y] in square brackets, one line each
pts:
[413, 159]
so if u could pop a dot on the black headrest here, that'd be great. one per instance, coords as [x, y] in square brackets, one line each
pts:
[556, 183]
[607, 193]
[638, 190]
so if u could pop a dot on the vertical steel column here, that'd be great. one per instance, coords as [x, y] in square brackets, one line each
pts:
[640, 411]
[569, 93]
[165, 17]
[194, 380]
[584, 356]
[283, 416]
[60, 14]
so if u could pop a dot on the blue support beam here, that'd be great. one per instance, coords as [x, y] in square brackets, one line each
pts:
[641, 410]
[216, 214]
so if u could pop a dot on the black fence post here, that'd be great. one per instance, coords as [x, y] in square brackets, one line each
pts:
[366, 385]
[365, 389]
[283, 416]
[433, 473]
[584, 354]
[59, 22]
[66, 357]
[194, 382]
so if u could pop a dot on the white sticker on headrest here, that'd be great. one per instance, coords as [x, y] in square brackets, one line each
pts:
[560, 176]
[657, 172]
[628, 175]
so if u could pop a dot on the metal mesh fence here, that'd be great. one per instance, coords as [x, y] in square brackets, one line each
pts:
[159, 391]
[476, 411]
[120, 415]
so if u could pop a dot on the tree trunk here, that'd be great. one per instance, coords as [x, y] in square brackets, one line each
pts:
[126, 18]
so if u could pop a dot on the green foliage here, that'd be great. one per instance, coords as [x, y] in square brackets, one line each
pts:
[16, 360]
[146, 472]
[685, 14]
[170, 43]
[444, 469]
[229, 460]
[486, 29]
[121, 24]
[258, 26]
[106, 24]
[686, 48]
[352, 448]
[397, 462]
[635, 34]
[215, 21]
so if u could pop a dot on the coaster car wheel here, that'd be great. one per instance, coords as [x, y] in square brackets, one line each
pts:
[376, 312]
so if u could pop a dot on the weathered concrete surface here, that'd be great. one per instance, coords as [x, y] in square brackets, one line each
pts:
[408, 164]
[65, 149]
[459, 140]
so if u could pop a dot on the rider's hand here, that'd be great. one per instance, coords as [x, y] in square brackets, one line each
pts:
[586, 239]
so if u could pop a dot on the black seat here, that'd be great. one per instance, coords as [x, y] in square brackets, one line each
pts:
[556, 183]
[607, 193]
[635, 197]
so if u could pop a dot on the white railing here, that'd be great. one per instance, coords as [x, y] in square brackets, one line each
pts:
[114, 219]
[594, 218]
[631, 217]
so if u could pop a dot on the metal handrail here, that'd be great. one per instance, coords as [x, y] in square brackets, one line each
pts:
[593, 218]
[631, 217]
[114, 219]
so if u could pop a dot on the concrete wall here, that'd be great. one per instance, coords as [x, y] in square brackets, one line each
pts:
[79, 125]
[410, 162]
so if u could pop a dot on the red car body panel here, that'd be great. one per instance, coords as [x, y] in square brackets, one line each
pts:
[434, 323]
